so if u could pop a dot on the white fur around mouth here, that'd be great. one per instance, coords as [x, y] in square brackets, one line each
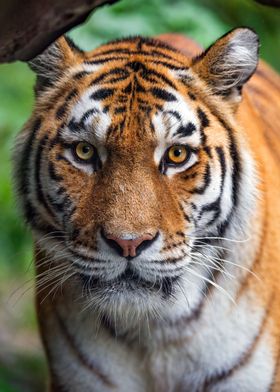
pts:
[130, 280]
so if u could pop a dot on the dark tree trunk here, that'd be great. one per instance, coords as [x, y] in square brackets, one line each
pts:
[272, 3]
[27, 27]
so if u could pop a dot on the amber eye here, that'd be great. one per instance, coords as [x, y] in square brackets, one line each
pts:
[84, 151]
[177, 154]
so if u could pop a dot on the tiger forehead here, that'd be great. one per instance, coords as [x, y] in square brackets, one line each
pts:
[126, 92]
[148, 49]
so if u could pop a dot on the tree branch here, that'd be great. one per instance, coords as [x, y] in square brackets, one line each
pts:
[28, 27]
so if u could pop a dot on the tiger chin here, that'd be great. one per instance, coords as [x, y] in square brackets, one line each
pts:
[149, 176]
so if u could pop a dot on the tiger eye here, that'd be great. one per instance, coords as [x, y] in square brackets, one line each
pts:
[84, 151]
[177, 154]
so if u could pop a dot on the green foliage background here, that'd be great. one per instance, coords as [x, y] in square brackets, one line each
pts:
[203, 20]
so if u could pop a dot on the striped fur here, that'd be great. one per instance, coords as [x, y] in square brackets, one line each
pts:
[198, 309]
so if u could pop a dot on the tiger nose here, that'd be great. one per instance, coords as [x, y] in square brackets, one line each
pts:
[132, 247]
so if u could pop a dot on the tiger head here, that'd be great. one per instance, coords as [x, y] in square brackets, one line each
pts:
[133, 160]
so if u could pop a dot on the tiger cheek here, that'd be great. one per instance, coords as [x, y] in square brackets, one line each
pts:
[169, 203]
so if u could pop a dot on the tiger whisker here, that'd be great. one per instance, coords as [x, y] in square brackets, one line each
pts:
[203, 245]
[215, 268]
[219, 238]
[233, 264]
[58, 284]
[214, 284]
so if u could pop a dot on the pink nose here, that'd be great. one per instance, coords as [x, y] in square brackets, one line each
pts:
[130, 248]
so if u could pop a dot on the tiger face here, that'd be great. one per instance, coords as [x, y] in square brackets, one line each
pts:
[132, 161]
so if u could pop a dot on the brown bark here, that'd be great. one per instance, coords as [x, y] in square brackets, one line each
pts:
[27, 27]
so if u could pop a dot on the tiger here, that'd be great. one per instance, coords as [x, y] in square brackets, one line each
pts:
[149, 175]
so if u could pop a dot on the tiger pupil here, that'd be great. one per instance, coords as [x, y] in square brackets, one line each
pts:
[177, 152]
[86, 149]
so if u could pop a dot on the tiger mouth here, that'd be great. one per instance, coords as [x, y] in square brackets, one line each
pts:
[129, 280]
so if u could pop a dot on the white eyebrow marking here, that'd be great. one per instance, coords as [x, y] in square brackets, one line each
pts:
[166, 125]
[90, 112]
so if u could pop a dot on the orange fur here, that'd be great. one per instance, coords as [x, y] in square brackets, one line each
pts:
[130, 196]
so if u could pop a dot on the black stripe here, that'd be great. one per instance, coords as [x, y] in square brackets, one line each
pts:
[138, 87]
[236, 170]
[75, 127]
[222, 160]
[163, 94]
[150, 42]
[174, 114]
[115, 50]
[211, 207]
[152, 126]
[61, 191]
[190, 176]
[104, 60]
[72, 94]
[192, 96]
[186, 130]
[116, 79]
[37, 173]
[215, 206]
[102, 93]
[171, 66]
[120, 109]
[105, 109]
[80, 75]
[116, 71]
[127, 90]
[186, 217]
[60, 157]
[87, 114]
[159, 54]
[136, 66]
[52, 173]
[62, 108]
[159, 107]
[57, 138]
[58, 206]
[61, 111]
[33, 218]
[208, 151]
[204, 121]
[146, 109]
[30, 213]
[24, 170]
[75, 233]
[151, 72]
[207, 179]
[111, 129]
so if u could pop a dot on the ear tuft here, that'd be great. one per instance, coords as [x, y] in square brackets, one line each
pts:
[50, 65]
[46, 64]
[229, 62]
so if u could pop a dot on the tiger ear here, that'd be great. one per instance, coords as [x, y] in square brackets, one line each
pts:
[50, 65]
[229, 63]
